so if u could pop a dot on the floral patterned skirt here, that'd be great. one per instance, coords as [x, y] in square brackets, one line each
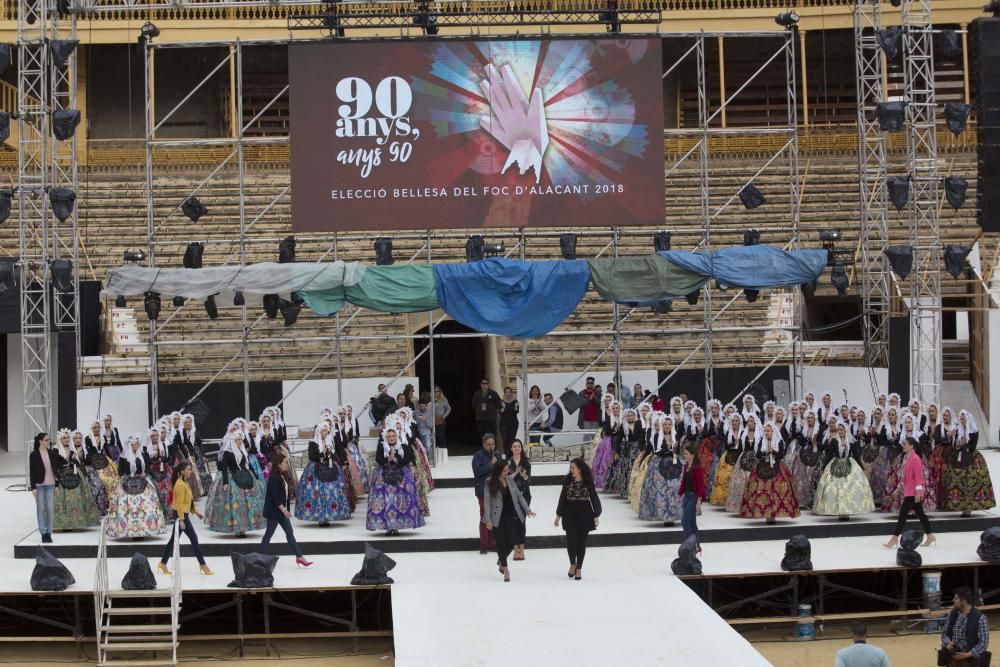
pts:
[109, 478]
[361, 463]
[232, 510]
[423, 469]
[720, 482]
[136, 515]
[321, 501]
[195, 481]
[626, 463]
[659, 499]
[75, 508]
[804, 478]
[638, 477]
[737, 485]
[160, 474]
[260, 481]
[770, 498]
[837, 496]
[936, 464]
[970, 488]
[97, 490]
[893, 499]
[393, 506]
[601, 462]
[880, 474]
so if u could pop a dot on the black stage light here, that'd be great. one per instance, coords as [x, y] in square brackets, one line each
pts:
[890, 116]
[296, 298]
[474, 248]
[6, 199]
[787, 19]
[290, 311]
[989, 545]
[895, 3]
[61, 50]
[808, 289]
[949, 43]
[286, 250]
[178, 301]
[567, 246]
[687, 562]
[270, 305]
[193, 208]
[751, 295]
[993, 7]
[899, 191]
[798, 554]
[830, 236]
[193, 254]
[609, 16]
[751, 237]
[839, 279]
[62, 274]
[211, 308]
[956, 115]
[62, 201]
[374, 569]
[152, 305]
[120, 302]
[906, 554]
[239, 299]
[149, 30]
[954, 258]
[661, 241]
[888, 40]
[425, 19]
[955, 188]
[64, 122]
[751, 196]
[662, 307]
[4, 126]
[134, 256]
[7, 274]
[900, 259]
[383, 252]
[692, 297]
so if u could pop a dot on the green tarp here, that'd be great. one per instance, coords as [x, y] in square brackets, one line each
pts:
[399, 288]
[642, 280]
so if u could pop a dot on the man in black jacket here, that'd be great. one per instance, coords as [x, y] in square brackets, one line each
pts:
[482, 465]
[486, 405]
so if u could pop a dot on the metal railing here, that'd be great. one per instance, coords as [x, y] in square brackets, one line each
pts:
[101, 587]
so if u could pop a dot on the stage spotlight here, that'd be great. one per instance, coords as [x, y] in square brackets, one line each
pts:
[662, 307]
[610, 17]
[890, 116]
[374, 569]
[383, 252]
[798, 554]
[949, 44]
[661, 241]
[956, 115]
[253, 570]
[687, 562]
[62, 201]
[8, 267]
[120, 302]
[64, 122]
[900, 259]
[751, 295]
[839, 279]
[567, 246]
[211, 308]
[888, 40]
[4, 126]
[61, 50]
[692, 297]
[149, 30]
[906, 554]
[787, 20]
[751, 196]
[286, 250]
[239, 299]
[424, 19]
[270, 305]
[62, 274]
[290, 311]
[296, 298]
[152, 305]
[193, 208]
[134, 256]
[139, 576]
[193, 255]
[989, 545]
[954, 190]
[49, 574]
[474, 249]
[6, 199]
[895, 3]
[993, 8]
[178, 301]
[751, 237]
[954, 259]
[830, 236]
[899, 191]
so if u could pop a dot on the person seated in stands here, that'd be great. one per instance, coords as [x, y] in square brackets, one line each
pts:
[553, 422]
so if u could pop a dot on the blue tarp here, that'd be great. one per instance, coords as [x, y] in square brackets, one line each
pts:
[753, 267]
[511, 298]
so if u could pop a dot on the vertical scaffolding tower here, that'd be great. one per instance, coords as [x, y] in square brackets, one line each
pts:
[870, 69]
[925, 232]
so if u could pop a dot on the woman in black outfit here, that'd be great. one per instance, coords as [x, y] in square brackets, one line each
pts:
[504, 510]
[579, 509]
[276, 507]
[509, 410]
[520, 470]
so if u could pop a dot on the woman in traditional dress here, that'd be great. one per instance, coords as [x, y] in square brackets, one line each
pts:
[866, 441]
[943, 441]
[967, 483]
[676, 414]
[769, 494]
[341, 441]
[843, 489]
[803, 460]
[894, 401]
[158, 456]
[406, 436]
[280, 444]
[697, 434]
[632, 440]
[750, 409]
[136, 510]
[233, 506]
[112, 440]
[731, 447]
[642, 462]
[919, 418]
[894, 493]
[421, 463]
[97, 490]
[659, 499]
[355, 450]
[768, 413]
[188, 443]
[101, 462]
[826, 409]
[601, 461]
[257, 460]
[715, 427]
[393, 500]
[885, 470]
[619, 452]
[750, 438]
[73, 500]
[810, 399]
[322, 495]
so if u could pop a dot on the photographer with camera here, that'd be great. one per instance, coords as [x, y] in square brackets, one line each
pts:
[966, 634]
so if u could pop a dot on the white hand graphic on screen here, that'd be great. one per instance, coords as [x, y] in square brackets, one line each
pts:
[514, 121]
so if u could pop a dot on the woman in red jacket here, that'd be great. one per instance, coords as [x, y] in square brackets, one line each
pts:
[913, 494]
[692, 490]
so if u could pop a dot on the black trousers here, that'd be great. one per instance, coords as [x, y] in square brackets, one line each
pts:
[522, 528]
[487, 426]
[576, 543]
[188, 530]
[910, 503]
[506, 534]
[286, 525]
[507, 433]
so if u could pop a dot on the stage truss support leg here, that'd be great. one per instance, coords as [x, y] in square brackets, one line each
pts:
[794, 196]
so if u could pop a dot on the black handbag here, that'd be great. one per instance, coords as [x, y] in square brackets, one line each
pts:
[809, 457]
[869, 453]
[766, 470]
[732, 456]
[97, 460]
[944, 657]
[748, 462]
[392, 475]
[243, 479]
[326, 473]
[134, 485]
[669, 468]
[68, 479]
[840, 467]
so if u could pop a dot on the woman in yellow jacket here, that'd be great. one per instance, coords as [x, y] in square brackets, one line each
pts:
[183, 504]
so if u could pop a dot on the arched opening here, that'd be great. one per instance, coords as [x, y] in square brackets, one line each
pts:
[459, 364]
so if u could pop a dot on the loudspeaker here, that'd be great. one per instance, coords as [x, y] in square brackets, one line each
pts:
[899, 356]
[984, 59]
[988, 187]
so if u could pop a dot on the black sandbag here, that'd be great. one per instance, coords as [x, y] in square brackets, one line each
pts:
[49, 573]
[374, 568]
[687, 562]
[572, 401]
[798, 554]
[989, 545]
[139, 576]
[253, 570]
[907, 555]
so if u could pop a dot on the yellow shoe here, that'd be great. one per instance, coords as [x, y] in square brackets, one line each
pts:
[204, 569]
[162, 567]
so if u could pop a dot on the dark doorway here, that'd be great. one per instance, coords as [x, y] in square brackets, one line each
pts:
[459, 365]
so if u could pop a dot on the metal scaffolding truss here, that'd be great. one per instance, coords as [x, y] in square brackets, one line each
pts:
[870, 70]
[922, 167]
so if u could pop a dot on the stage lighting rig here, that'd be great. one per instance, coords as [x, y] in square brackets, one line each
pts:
[148, 31]
[152, 305]
[661, 241]
[134, 256]
[477, 249]
[383, 252]
[993, 8]
[567, 245]
[787, 20]
[62, 274]
[120, 302]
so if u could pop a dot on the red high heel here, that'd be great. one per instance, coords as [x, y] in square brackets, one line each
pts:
[302, 562]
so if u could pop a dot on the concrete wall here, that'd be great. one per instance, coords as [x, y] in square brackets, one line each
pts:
[836, 380]
[303, 406]
[128, 404]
